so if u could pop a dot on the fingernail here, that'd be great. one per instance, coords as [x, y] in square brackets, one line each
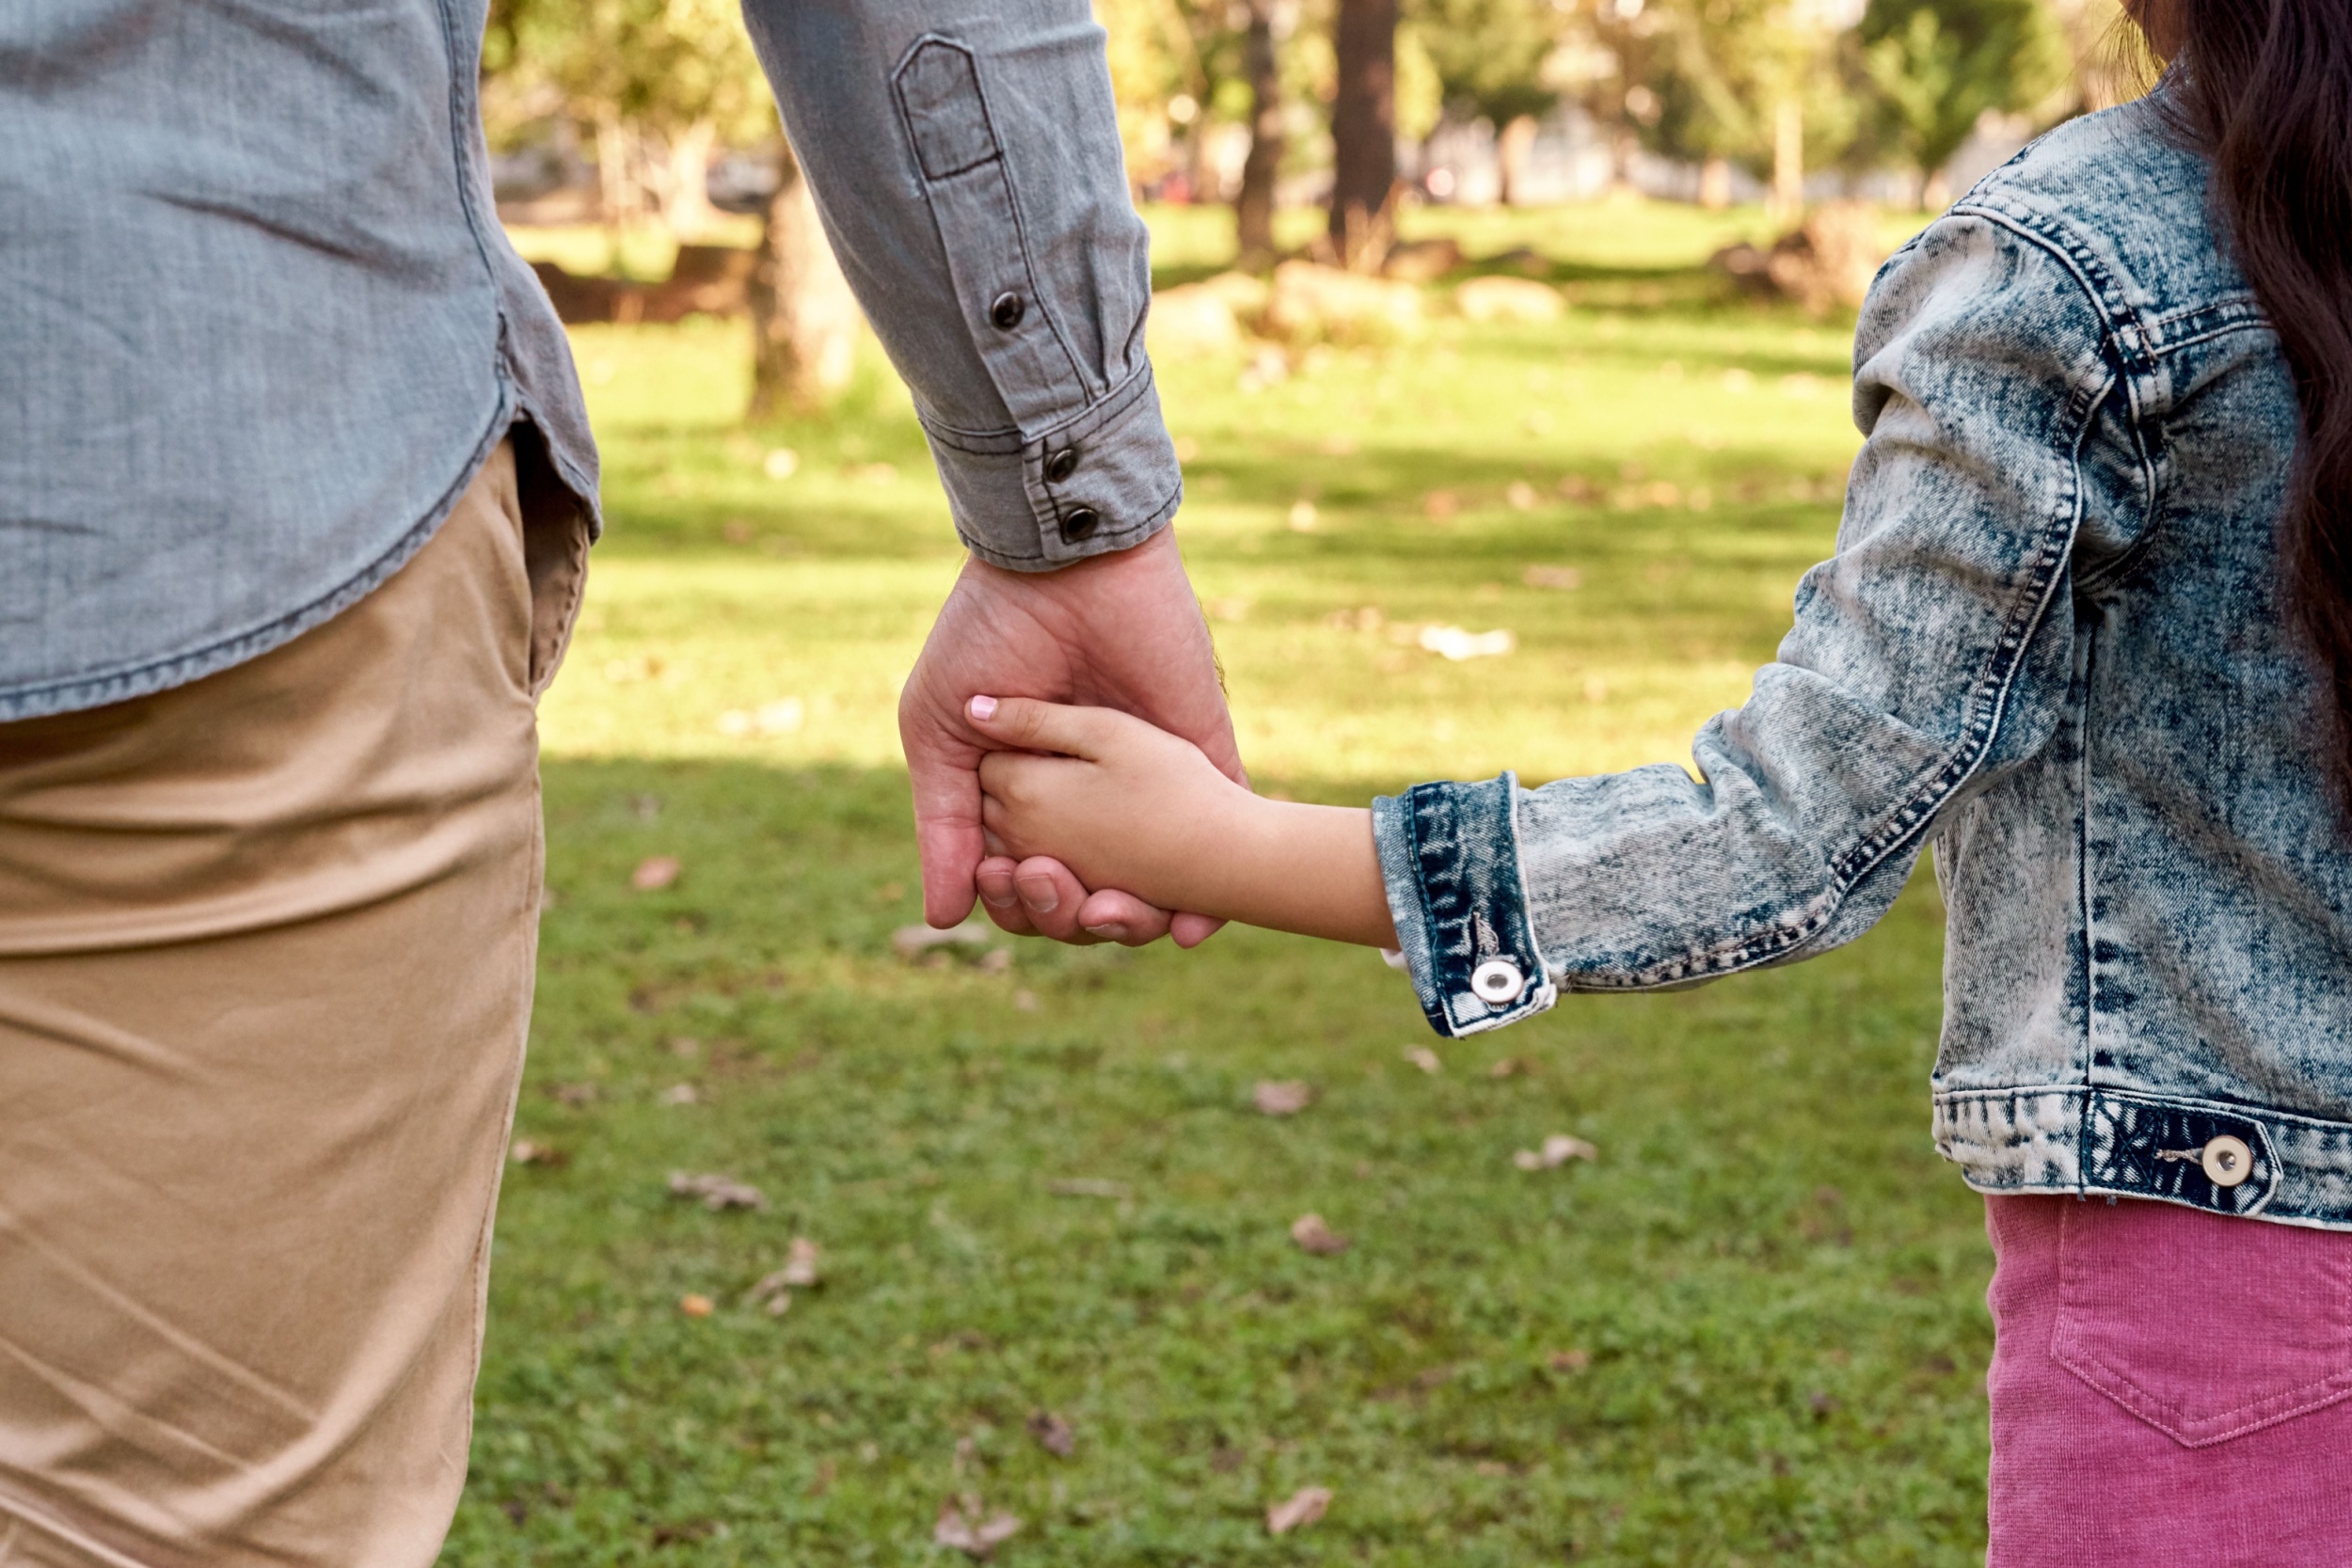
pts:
[1038, 892]
[983, 708]
[1108, 933]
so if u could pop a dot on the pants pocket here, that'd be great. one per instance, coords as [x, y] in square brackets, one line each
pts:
[2202, 1325]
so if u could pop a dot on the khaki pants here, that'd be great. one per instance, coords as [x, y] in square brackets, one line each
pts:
[265, 967]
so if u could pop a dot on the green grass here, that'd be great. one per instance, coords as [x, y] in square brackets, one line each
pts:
[1750, 1331]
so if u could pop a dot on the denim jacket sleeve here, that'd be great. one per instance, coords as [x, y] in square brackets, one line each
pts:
[1931, 653]
[964, 156]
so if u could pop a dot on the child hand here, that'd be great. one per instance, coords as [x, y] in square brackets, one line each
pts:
[1122, 804]
[1126, 805]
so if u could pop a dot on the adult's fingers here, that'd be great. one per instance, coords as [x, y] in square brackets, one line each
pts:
[1191, 930]
[1050, 897]
[994, 876]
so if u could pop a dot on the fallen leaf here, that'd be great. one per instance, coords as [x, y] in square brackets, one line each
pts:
[1558, 1150]
[1569, 1360]
[996, 960]
[654, 873]
[1054, 1434]
[685, 1045]
[694, 1305]
[800, 1259]
[1453, 643]
[717, 1192]
[680, 1094]
[1508, 1066]
[770, 1295]
[1086, 1186]
[1024, 1000]
[526, 1153]
[1313, 1235]
[1282, 1096]
[1303, 1508]
[913, 942]
[1425, 1059]
[1521, 496]
[572, 1094]
[975, 1537]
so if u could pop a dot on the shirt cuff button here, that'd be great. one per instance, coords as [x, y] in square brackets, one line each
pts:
[1007, 310]
[2227, 1162]
[1061, 464]
[1079, 525]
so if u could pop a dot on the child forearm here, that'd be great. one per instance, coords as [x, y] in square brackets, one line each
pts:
[1313, 870]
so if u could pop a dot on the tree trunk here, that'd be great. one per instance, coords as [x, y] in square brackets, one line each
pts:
[1715, 183]
[803, 318]
[686, 209]
[1789, 160]
[1515, 147]
[1363, 133]
[1253, 205]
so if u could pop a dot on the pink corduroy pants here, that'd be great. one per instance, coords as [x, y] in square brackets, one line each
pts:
[2170, 1389]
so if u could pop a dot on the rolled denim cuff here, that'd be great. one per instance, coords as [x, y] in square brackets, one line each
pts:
[1104, 479]
[1450, 857]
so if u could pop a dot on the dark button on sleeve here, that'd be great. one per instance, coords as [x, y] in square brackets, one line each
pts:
[1007, 310]
[1079, 525]
[1062, 464]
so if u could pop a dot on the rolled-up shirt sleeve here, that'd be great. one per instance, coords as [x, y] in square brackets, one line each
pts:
[964, 158]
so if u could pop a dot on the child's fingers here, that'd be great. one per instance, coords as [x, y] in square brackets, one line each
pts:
[1036, 726]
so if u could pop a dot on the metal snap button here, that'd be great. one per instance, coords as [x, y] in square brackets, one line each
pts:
[1062, 464]
[1079, 525]
[2227, 1162]
[1498, 982]
[1007, 310]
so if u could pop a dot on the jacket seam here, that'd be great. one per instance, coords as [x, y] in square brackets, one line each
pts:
[1939, 781]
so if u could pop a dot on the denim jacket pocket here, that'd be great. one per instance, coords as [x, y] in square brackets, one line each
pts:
[2256, 1329]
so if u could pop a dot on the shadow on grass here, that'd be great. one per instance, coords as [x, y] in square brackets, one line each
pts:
[1752, 1326]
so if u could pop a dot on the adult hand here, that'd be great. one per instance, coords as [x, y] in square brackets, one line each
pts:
[1119, 630]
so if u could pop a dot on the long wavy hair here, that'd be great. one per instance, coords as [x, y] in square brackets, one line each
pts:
[2263, 88]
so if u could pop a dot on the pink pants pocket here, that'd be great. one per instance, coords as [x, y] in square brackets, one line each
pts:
[2204, 1326]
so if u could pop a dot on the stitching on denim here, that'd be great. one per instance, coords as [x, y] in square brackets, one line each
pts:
[906, 113]
[1004, 172]
[1433, 1010]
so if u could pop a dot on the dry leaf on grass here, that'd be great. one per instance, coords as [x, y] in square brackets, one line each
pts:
[717, 1192]
[654, 873]
[1086, 1186]
[695, 1306]
[1508, 1066]
[1569, 1360]
[1313, 1235]
[571, 1094]
[1282, 1096]
[974, 1536]
[801, 1262]
[526, 1153]
[680, 1094]
[913, 942]
[1425, 1059]
[1558, 1150]
[1054, 1434]
[1302, 1507]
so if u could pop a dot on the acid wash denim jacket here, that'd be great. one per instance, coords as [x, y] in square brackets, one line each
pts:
[260, 328]
[2052, 643]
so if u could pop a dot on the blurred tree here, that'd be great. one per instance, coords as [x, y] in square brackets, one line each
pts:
[1363, 133]
[804, 320]
[1749, 83]
[1939, 66]
[1490, 57]
[1253, 204]
[656, 84]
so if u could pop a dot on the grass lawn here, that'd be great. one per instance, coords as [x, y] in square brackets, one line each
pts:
[1750, 1331]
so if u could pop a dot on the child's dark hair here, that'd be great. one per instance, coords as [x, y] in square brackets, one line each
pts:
[2264, 88]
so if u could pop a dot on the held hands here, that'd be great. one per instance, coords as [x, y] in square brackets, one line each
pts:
[1124, 804]
[1120, 629]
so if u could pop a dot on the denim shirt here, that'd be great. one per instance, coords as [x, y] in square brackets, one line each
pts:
[2052, 643]
[258, 325]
